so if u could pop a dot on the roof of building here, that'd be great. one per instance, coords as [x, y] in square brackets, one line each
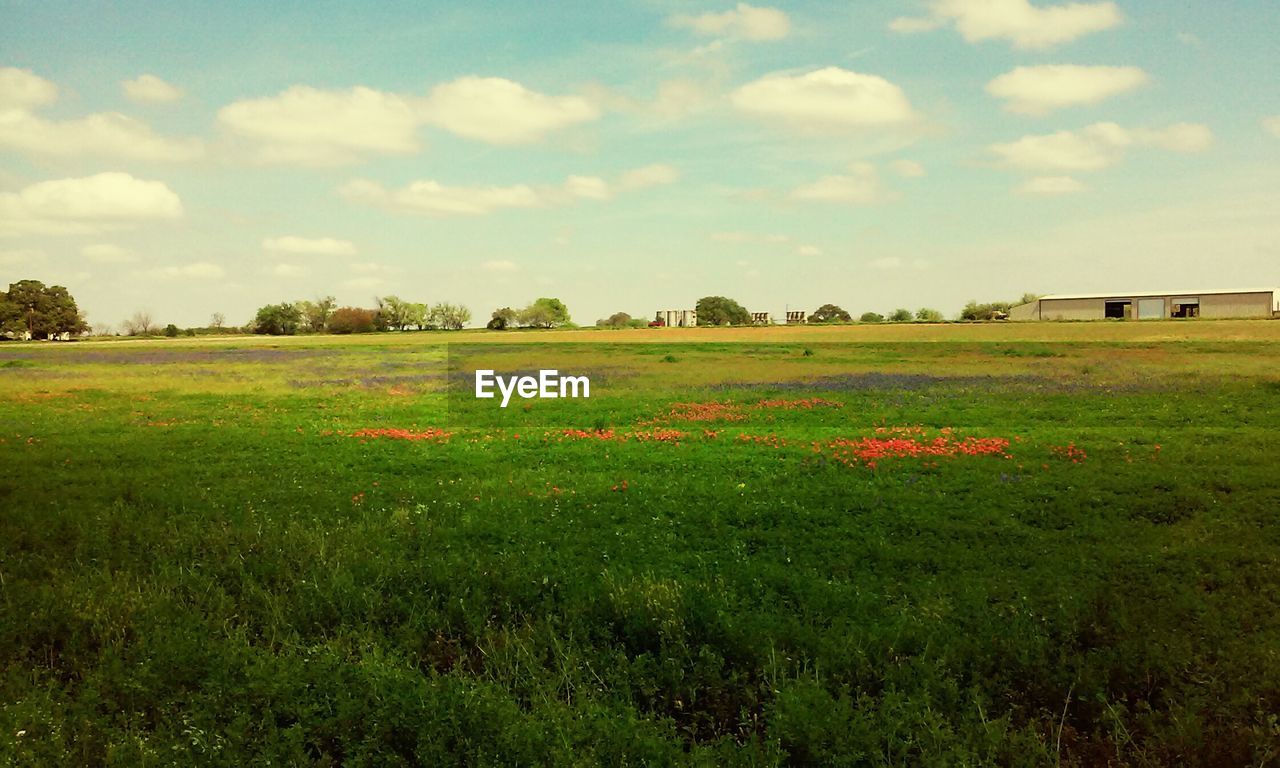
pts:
[1140, 294]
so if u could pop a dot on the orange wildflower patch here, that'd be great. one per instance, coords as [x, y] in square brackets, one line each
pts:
[808, 403]
[431, 434]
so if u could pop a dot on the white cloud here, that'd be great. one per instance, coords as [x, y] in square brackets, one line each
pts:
[367, 267]
[320, 246]
[288, 270]
[1272, 125]
[500, 111]
[23, 89]
[887, 262]
[649, 176]
[861, 186]
[199, 270]
[500, 266]
[1051, 186]
[1042, 89]
[744, 22]
[433, 198]
[591, 187]
[21, 258]
[1026, 26]
[149, 89]
[908, 169]
[106, 253]
[808, 250]
[830, 99]
[1097, 146]
[94, 203]
[105, 134]
[309, 126]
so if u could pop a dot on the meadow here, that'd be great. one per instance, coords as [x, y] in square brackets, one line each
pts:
[998, 544]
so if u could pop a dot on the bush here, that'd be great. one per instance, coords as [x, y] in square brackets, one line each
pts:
[901, 316]
[278, 319]
[171, 331]
[352, 320]
[871, 317]
[926, 315]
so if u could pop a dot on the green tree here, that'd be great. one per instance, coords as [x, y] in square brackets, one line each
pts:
[278, 319]
[926, 315]
[171, 331]
[394, 312]
[871, 317]
[900, 316]
[616, 320]
[544, 313]
[418, 315]
[43, 311]
[316, 313]
[501, 319]
[829, 313]
[718, 310]
[451, 317]
[975, 311]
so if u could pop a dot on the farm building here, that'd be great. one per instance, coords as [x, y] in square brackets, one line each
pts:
[677, 318]
[1261, 302]
[760, 318]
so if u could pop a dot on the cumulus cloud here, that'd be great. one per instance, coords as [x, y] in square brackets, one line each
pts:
[1097, 146]
[105, 134]
[808, 250]
[309, 126]
[288, 270]
[908, 169]
[90, 204]
[149, 89]
[1272, 125]
[1026, 26]
[319, 246]
[501, 265]
[745, 22]
[433, 198]
[24, 89]
[1050, 186]
[106, 253]
[830, 99]
[500, 111]
[1040, 90]
[860, 186]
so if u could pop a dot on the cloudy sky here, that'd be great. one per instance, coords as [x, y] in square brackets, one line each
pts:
[192, 158]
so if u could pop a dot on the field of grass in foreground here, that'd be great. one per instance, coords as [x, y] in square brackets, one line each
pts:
[740, 551]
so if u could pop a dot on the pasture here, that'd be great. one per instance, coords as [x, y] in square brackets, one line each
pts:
[1048, 544]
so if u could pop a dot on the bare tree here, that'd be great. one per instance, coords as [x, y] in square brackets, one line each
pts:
[140, 324]
[217, 320]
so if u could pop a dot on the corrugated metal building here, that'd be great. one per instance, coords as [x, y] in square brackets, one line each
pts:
[1259, 302]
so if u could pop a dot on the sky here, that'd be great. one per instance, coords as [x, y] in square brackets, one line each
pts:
[196, 158]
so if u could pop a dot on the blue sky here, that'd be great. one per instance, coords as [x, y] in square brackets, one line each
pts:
[197, 158]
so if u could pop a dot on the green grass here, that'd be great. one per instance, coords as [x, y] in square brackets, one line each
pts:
[199, 564]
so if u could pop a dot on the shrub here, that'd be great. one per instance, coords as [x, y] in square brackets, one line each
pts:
[352, 320]
[871, 317]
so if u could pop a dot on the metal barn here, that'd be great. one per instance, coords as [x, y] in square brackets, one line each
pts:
[1261, 302]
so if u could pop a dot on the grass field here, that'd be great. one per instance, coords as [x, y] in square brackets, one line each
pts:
[1033, 544]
